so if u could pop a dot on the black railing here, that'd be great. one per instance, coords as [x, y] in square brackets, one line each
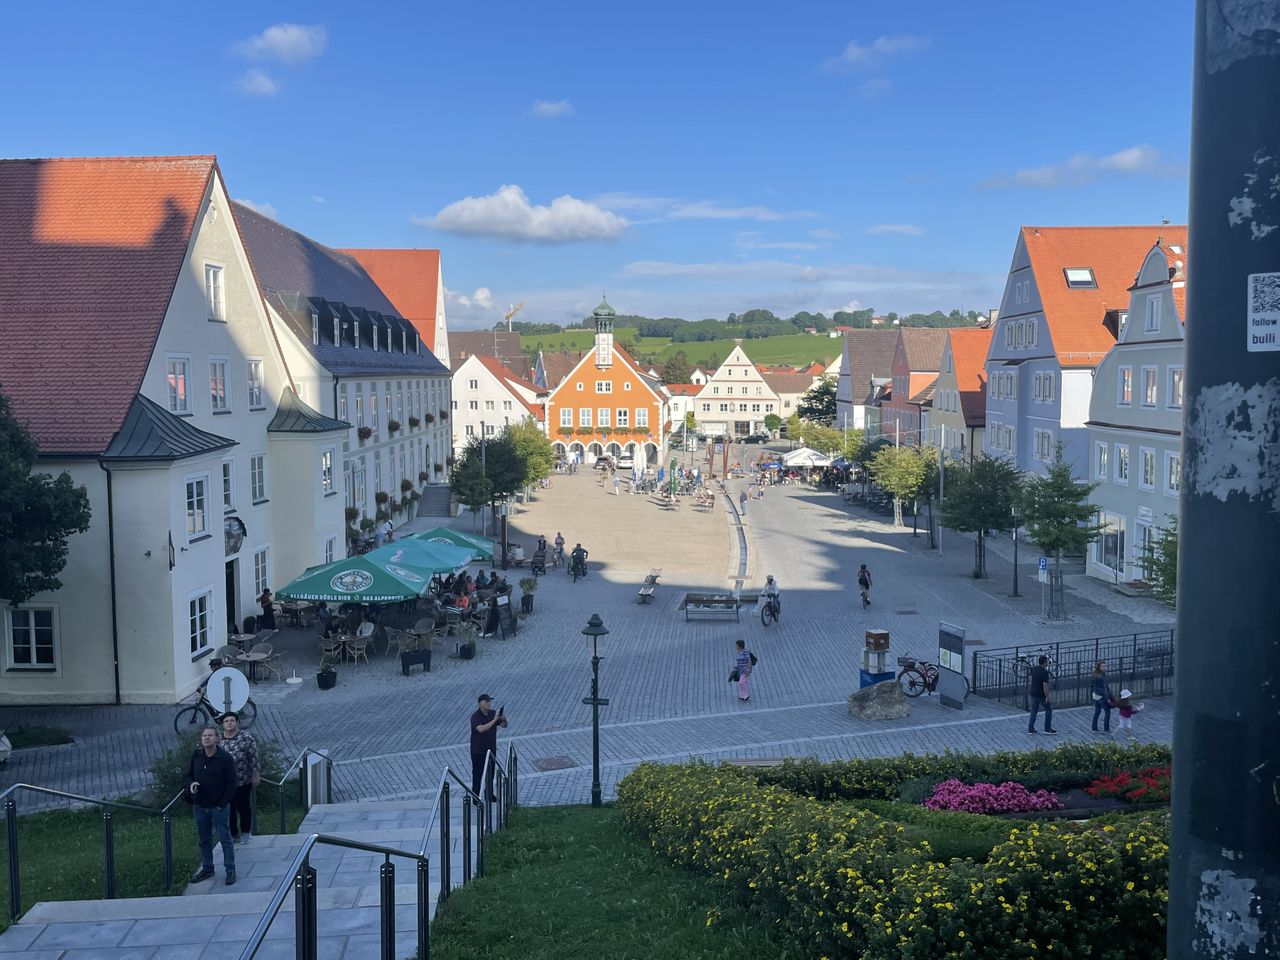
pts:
[109, 808]
[304, 797]
[1142, 662]
[301, 876]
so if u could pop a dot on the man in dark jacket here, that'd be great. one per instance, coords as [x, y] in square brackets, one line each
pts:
[211, 783]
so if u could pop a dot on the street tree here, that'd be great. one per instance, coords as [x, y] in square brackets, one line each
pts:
[772, 422]
[900, 471]
[819, 403]
[38, 512]
[929, 487]
[468, 481]
[979, 500]
[533, 450]
[690, 422]
[1059, 519]
[677, 368]
[1160, 562]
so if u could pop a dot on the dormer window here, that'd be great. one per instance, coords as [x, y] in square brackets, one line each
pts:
[337, 333]
[355, 333]
[1080, 278]
[373, 325]
[404, 341]
[315, 328]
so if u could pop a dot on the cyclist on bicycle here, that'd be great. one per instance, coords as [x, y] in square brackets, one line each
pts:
[772, 593]
[578, 560]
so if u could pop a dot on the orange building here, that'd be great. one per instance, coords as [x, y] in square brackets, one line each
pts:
[606, 405]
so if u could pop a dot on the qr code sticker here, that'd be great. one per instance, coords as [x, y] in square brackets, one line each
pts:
[1264, 293]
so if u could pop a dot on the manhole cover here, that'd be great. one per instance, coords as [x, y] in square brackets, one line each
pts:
[907, 613]
[553, 763]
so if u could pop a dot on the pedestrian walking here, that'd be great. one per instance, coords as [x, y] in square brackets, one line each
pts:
[742, 503]
[617, 485]
[1038, 692]
[211, 783]
[864, 585]
[243, 750]
[268, 619]
[1102, 698]
[744, 662]
[484, 738]
[1127, 709]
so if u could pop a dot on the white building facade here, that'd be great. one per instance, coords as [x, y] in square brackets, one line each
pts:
[735, 399]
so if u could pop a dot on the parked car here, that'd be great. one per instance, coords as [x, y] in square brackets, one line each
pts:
[604, 463]
[756, 438]
[625, 462]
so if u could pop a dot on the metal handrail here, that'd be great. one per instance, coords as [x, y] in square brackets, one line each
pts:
[299, 764]
[8, 796]
[301, 877]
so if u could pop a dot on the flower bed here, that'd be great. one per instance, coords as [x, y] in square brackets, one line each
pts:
[855, 885]
[989, 798]
[1150, 785]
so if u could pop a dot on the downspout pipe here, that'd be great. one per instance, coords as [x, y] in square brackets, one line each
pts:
[111, 562]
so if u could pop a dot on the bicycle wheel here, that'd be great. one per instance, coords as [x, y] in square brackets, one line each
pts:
[912, 682]
[248, 714]
[966, 688]
[190, 719]
[1021, 668]
[766, 614]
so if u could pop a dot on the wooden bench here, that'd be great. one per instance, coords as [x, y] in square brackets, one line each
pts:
[645, 594]
[711, 605]
[650, 585]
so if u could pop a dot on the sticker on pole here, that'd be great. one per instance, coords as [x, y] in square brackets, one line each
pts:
[1264, 312]
[1042, 570]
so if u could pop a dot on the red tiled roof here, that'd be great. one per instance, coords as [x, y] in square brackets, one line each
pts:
[1075, 316]
[684, 389]
[90, 251]
[968, 357]
[500, 370]
[410, 279]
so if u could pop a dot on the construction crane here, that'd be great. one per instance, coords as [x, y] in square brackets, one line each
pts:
[511, 313]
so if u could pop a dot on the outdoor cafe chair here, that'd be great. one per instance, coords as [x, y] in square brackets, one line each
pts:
[358, 647]
[395, 638]
[366, 629]
[332, 647]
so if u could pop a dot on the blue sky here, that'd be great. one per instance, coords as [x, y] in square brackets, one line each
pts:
[691, 159]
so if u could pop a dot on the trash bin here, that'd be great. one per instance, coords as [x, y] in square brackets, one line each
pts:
[317, 773]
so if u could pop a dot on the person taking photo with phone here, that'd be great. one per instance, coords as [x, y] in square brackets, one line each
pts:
[484, 737]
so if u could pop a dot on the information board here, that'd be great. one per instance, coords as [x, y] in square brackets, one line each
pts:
[506, 615]
[951, 665]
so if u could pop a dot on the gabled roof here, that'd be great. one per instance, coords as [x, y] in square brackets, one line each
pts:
[90, 250]
[152, 433]
[925, 395]
[969, 348]
[923, 347]
[788, 382]
[509, 380]
[557, 366]
[485, 343]
[410, 279]
[684, 389]
[295, 416]
[1075, 315]
[870, 359]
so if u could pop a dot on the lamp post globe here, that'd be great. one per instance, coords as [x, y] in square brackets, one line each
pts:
[595, 629]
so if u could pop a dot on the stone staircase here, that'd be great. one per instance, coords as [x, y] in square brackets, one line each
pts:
[435, 502]
[212, 921]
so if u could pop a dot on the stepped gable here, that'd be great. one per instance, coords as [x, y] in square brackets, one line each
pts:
[90, 252]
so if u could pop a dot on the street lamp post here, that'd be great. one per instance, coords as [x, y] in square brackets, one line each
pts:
[1014, 511]
[595, 629]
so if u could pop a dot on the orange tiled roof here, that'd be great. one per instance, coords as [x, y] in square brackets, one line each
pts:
[1115, 254]
[684, 389]
[500, 370]
[968, 357]
[410, 279]
[90, 250]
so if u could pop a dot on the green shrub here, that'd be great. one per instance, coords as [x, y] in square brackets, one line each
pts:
[949, 833]
[917, 789]
[169, 772]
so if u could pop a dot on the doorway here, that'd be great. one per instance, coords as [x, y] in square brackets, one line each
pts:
[233, 625]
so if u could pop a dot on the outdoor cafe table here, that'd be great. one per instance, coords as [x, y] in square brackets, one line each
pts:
[253, 658]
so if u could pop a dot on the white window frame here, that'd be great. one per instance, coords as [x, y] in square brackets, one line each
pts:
[1008, 336]
[215, 293]
[1155, 387]
[488, 404]
[254, 386]
[1033, 333]
[1151, 322]
[34, 666]
[622, 417]
[566, 416]
[261, 569]
[1037, 387]
[604, 417]
[1020, 337]
[1121, 383]
[259, 491]
[1146, 455]
[177, 367]
[642, 418]
[330, 552]
[473, 384]
[584, 417]
[328, 481]
[1170, 459]
[1101, 460]
[225, 364]
[471, 430]
[604, 386]
[199, 626]
[1050, 387]
[228, 485]
[1121, 463]
[195, 498]
[1174, 398]
[315, 327]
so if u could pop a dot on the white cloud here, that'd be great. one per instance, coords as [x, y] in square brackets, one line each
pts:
[316, 198]
[895, 229]
[482, 298]
[752, 240]
[551, 109]
[859, 56]
[257, 83]
[671, 208]
[266, 209]
[287, 43]
[1084, 168]
[508, 215]
[851, 277]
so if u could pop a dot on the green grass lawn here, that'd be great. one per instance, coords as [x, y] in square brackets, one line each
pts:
[22, 738]
[794, 349]
[61, 858]
[573, 883]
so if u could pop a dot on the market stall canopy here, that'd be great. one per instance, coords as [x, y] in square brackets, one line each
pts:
[357, 580]
[804, 457]
[840, 463]
[424, 555]
[484, 547]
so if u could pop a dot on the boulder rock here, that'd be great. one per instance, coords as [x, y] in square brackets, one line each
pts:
[881, 701]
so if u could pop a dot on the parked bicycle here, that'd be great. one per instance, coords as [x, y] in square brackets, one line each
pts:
[191, 718]
[921, 676]
[1022, 665]
[771, 611]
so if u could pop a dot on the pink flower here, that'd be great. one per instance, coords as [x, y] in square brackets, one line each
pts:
[990, 798]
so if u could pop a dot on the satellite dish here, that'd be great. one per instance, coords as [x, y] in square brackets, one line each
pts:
[228, 689]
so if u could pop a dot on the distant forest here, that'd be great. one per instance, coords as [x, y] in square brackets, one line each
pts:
[753, 325]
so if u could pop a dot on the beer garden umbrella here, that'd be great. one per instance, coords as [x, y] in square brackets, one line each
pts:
[483, 547]
[424, 556]
[357, 580]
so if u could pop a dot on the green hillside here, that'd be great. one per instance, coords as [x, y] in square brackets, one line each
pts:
[797, 349]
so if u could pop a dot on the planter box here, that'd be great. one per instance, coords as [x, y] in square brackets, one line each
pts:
[327, 679]
[409, 658]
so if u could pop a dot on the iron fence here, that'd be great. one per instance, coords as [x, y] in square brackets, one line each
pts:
[1141, 662]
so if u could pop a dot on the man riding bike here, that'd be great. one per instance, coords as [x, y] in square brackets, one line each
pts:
[772, 597]
[578, 561]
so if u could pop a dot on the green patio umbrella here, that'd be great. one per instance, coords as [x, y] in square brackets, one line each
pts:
[358, 580]
[484, 547]
[424, 556]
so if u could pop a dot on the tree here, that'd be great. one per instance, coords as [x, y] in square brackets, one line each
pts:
[690, 422]
[468, 481]
[38, 512]
[819, 403]
[677, 368]
[979, 499]
[772, 422]
[900, 471]
[1160, 562]
[1058, 518]
[533, 449]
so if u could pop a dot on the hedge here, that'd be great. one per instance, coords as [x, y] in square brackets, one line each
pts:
[857, 885]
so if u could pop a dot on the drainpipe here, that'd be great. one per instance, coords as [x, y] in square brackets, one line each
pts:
[111, 558]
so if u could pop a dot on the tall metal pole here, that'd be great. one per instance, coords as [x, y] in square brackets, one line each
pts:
[1015, 551]
[595, 729]
[484, 472]
[1224, 866]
